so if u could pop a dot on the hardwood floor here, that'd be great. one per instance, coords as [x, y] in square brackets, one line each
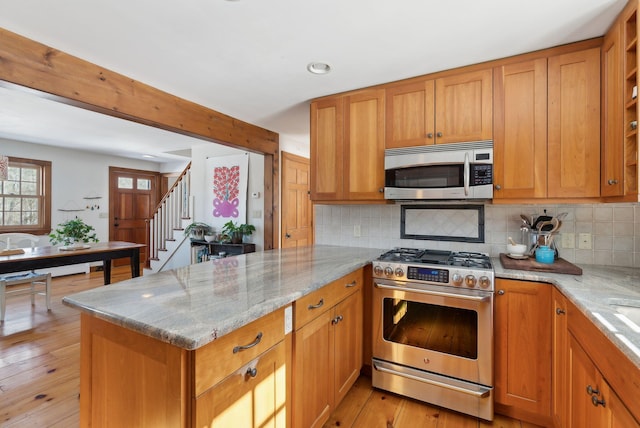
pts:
[40, 368]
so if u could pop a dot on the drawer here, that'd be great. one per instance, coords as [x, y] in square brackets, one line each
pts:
[310, 306]
[217, 360]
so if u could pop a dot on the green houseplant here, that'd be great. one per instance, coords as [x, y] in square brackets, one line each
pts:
[197, 230]
[72, 232]
[235, 232]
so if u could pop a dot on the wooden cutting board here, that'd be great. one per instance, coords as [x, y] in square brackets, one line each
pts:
[558, 266]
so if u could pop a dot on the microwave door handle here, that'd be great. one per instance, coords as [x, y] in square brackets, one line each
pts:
[466, 173]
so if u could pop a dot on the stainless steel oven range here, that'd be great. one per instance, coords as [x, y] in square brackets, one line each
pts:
[433, 328]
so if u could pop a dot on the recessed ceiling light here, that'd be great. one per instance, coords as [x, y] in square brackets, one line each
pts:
[318, 67]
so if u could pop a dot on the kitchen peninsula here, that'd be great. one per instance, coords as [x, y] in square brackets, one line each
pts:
[158, 349]
[154, 347]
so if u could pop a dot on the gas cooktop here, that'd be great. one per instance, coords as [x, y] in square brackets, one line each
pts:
[437, 257]
[436, 267]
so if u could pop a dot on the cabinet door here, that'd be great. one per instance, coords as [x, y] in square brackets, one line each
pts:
[364, 146]
[582, 375]
[523, 346]
[347, 343]
[410, 115]
[574, 125]
[612, 112]
[254, 396]
[327, 149]
[464, 107]
[619, 415]
[560, 362]
[313, 368]
[520, 130]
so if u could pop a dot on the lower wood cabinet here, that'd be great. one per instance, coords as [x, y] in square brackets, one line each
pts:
[592, 402]
[327, 349]
[523, 350]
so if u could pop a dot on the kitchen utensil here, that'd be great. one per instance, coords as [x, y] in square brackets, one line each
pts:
[517, 250]
[511, 241]
[545, 254]
[525, 220]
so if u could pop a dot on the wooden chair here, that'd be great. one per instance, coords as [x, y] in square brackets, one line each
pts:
[10, 284]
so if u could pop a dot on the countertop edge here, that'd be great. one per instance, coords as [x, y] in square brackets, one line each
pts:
[588, 302]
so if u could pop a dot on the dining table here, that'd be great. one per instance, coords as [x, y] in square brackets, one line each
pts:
[54, 256]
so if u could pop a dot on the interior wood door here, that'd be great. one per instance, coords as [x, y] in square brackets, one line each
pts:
[133, 197]
[297, 211]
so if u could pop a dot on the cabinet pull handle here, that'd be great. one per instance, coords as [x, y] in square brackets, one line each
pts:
[351, 284]
[597, 402]
[498, 187]
[336, 320]
[501, 292]
[317, 305]
[560, 311]
[612, 182]
[252, 371]
[430, 135]
[381, 190]
[251, 345]
[439, 134]
[592, 391]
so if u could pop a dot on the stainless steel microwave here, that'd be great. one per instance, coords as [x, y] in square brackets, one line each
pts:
[441, 171]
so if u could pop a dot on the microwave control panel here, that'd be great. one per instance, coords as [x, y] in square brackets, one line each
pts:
[481, 174]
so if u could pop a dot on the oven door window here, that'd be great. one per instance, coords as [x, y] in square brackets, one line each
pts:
[443, 329]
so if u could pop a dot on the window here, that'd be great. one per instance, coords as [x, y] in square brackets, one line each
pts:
[25, 197]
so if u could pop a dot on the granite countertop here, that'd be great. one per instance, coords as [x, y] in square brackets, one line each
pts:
[592, 293]
[192, 306]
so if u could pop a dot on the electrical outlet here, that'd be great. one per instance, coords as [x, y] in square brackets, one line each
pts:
[356, 230]
[568, 240]
[584, 241]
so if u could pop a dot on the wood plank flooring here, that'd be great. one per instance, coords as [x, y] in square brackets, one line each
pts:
[40, 368]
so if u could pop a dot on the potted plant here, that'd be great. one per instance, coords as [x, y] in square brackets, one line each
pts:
[197, 230]
[236, 232]
[73, 233]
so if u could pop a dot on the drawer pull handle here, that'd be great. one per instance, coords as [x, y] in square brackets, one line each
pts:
[596, 402]
[351, 284]
[252, 371]
[316, 306]
[336, 320]
[591, 390]
[560, 311]
[251, 345]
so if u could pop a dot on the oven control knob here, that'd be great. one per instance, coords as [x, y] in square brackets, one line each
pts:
[457, 279]
[377, 269]
[388, 271]
[399, 272]
[484, 281]
[470, 281]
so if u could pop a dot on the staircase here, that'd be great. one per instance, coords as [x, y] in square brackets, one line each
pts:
[165, 235]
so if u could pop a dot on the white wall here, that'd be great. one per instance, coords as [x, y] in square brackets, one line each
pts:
[76, 174]
[615, 230]
[255, 183]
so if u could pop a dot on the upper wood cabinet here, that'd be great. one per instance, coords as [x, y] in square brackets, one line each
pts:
[547, 127]
[347, 147]
[574, 125]
[612, 144]
[450, 109]
[520, 130]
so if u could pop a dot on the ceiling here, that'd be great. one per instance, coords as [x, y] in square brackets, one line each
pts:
[248, 58]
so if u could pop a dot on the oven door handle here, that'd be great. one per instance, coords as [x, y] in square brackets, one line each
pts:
[479, 394]
[467, 173]
[435, 293]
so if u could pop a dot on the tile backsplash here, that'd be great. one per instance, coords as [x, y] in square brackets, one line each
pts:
[614, 230]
